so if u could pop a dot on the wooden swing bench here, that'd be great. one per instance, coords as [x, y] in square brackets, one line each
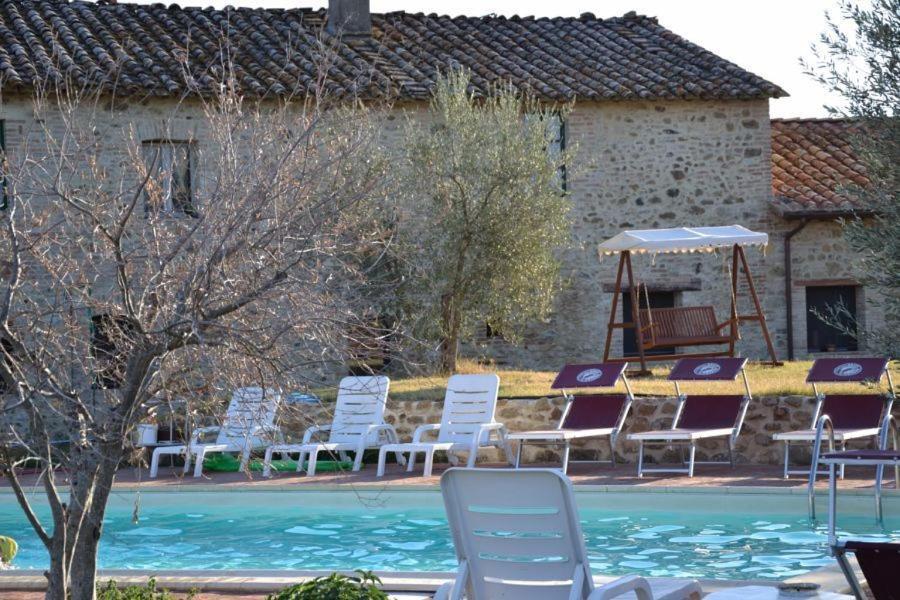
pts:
[672, 328]
[683, 326]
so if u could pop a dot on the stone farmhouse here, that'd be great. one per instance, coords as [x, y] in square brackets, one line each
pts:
[668, 135]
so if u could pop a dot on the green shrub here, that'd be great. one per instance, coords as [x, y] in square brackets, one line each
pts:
[335, 587]
[8, 549]
[111, 591]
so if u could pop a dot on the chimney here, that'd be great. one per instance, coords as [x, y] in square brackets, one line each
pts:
[350, 18]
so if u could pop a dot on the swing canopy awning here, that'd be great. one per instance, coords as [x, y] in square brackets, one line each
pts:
[683, 239]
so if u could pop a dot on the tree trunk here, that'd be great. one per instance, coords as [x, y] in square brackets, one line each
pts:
[83, 574]
[450, 327]
[58, 575]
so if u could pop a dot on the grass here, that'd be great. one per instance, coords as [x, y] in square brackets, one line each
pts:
[789, 379]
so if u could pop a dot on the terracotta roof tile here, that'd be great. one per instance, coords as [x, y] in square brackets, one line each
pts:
[812, 161]
[156, 49]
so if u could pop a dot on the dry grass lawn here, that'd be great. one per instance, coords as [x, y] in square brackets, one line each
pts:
[789, 379]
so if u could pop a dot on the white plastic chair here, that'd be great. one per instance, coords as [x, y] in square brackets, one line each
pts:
[517, 535]
[467, 424]
[358, 424]
[249, 424]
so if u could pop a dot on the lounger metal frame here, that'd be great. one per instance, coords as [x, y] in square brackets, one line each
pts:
[834, 445]
[691, 443]
[566, 443]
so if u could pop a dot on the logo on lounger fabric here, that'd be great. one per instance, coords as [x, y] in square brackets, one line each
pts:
[707, 369]
[589, 375]
[848, 369]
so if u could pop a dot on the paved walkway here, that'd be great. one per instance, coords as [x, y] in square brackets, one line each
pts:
[581, 474]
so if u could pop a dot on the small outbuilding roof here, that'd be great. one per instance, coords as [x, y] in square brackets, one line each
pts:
[683, 239]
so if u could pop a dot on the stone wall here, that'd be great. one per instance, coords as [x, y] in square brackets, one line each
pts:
[765, 417]
[650, 165]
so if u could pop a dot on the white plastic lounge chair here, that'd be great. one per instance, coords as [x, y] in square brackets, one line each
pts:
[700, 417]
[358, 424]
[847, 416]
[249, 424]
[467, 424]
[584, 416]
[517, 535]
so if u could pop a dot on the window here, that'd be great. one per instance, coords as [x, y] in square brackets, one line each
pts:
[831, 318]
[109, 335]
[170, 189]
[4, 197]
[657, 300]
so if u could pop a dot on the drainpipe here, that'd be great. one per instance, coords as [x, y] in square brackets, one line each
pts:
[788, 286]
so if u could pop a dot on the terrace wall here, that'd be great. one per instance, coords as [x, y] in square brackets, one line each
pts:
[765, 417]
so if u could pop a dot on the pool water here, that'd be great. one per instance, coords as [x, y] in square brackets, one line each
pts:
[702, 535]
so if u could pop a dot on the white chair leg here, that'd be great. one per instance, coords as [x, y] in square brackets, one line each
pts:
[187, 459]
[267, 462]
[429, 462]
[382, 458]
[691, 459]
[300, 459]
[154, 462]
[245, 459]
[411, 463]
[357, 460]
[313, 458]
[473, 455]
[787, 454]
[198, 467]
[400, 459]
[640, 459]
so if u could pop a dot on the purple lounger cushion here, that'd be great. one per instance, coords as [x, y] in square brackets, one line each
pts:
[854, 411]
[595, 411]
[710, 412]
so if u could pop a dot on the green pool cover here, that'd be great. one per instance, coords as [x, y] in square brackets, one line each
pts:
[227, 463]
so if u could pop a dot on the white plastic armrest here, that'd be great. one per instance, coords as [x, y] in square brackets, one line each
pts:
[308, 435]
[380, 427]
[417, 434]
[623, 585]
[272, 432]
[195, 435]
[500, 428]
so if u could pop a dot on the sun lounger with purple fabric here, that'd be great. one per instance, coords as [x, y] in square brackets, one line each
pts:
[587, 415]
[843, 417]
[879, 561]
[700, 417]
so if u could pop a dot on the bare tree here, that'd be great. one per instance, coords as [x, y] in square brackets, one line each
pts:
[222, 244]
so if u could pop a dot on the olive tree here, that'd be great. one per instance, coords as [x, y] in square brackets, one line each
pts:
[230, 250]
[862, 64]
[485, 211]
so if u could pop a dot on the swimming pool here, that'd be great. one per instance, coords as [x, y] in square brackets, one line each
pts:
[708, 535]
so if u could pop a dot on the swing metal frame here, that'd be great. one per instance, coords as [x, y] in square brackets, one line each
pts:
[645, 333]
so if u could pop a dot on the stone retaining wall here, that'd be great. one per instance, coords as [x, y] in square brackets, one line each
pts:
[765, 416]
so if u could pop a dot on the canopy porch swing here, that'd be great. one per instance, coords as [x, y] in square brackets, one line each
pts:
[683, 326]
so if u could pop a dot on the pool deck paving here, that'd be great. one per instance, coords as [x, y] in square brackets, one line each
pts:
[705, 478]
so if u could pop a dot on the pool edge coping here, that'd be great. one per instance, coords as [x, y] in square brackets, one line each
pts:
[266, 581]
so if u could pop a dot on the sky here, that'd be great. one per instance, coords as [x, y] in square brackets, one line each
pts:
[766, 37]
